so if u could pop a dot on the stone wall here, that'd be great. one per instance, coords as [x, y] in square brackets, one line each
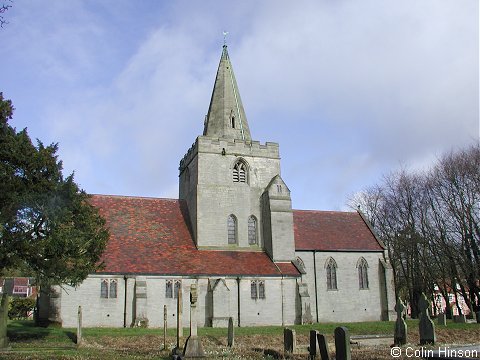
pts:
[348, 303]
[98, 311]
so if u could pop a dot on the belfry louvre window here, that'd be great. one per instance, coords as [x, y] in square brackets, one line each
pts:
[232, 229]
[252, 230]
[257, 289]
[362, 266]
[240, 172]
[331, 268]
[108, 289]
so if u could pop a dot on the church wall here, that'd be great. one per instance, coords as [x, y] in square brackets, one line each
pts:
[187, 191]
[100, 312]
[348, 303]
[96, 311]
[268, 311]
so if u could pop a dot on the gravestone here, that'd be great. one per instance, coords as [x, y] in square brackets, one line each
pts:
[442, 319]
[79, 326]
[426, 326]
[313, 349]
[289, 340]
[230, 335]
[3, 321]
[193, 346]
[460, 319]
[342, 344]
[478, 317]
[323, 346]
[400, 335]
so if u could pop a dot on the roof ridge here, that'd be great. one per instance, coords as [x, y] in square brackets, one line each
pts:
[133, 197]
[326, 211]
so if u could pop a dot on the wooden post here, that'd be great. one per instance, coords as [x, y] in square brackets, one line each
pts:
[164, 327]
[179, 317]
[79, 326]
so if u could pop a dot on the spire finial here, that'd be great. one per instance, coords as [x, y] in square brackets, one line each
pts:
[225, 33]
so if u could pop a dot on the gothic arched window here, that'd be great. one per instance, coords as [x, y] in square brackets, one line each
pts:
[331, 268]
[104, 289]
[232, 229]
[240, 172]
[362, 267]
[252, 230]
[113, 289]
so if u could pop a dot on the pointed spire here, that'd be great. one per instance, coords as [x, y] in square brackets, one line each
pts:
[226, 116]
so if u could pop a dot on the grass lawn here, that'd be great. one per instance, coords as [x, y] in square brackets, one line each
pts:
[29, 342]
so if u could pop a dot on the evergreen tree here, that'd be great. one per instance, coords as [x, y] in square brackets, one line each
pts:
[46, 222]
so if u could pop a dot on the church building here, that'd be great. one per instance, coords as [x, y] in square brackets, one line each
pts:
[234, 234]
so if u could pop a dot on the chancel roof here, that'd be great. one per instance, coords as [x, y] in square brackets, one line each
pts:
[151, 236]
[333, 231]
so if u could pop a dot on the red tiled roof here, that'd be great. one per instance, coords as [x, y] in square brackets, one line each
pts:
[287, 268]
[150, 236]
[332, 231]
[20, 281]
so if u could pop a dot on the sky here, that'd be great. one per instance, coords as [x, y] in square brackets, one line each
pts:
[351, 90]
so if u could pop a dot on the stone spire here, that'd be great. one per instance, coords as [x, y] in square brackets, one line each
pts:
[226, 117]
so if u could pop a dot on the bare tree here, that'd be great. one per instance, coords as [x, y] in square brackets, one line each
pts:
[430, 223]
[3, 8]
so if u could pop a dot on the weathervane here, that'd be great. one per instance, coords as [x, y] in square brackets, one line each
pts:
[225, 33]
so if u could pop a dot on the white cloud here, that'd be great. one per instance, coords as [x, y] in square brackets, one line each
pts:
[350, 89]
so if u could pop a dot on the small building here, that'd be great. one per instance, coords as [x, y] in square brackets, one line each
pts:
[18, 286]
[234, 234]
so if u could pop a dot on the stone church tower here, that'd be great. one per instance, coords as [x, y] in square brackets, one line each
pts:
[235, 195]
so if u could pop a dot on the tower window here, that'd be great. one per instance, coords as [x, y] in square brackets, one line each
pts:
[331, 268]
[362, 267]
[240, 172]
[233, 121]
[252, 230]
[232, 229]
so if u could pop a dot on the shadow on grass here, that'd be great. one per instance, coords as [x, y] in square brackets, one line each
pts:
[269, 352]
[25, 330]
[72, 336]
[22, 330]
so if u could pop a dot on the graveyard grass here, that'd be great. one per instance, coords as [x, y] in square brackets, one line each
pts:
[29, 342]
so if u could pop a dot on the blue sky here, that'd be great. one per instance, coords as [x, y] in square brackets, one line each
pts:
[351, 90]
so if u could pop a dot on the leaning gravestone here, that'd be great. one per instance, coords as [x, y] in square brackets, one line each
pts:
[3, 321]
[425, 326]
[231, 334]
[442, 319]
[313, 348]
[342, 344]
[289, 340]
[323, 346]
[400, 336]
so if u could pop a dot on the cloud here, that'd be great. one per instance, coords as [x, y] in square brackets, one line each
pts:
[349, 89]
